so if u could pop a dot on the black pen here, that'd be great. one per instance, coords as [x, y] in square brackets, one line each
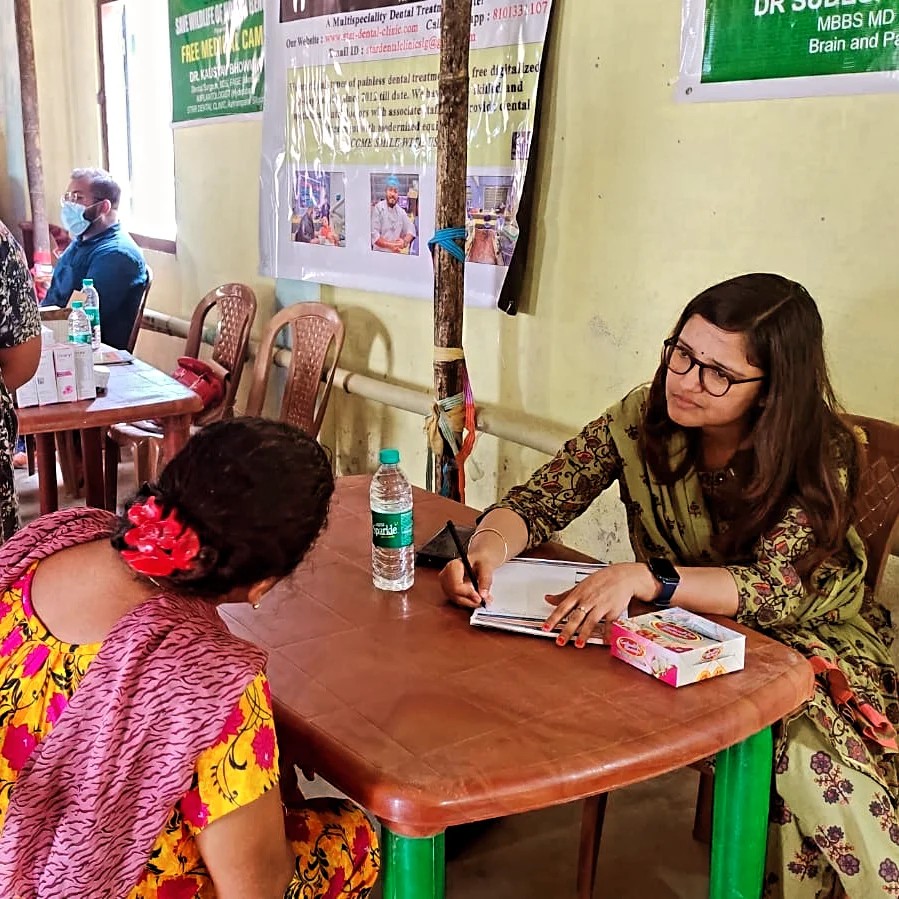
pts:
[463, 556]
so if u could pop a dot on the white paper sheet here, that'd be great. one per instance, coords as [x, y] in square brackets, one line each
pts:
[520, 585]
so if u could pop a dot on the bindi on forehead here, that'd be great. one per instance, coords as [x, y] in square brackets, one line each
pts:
[715, 345]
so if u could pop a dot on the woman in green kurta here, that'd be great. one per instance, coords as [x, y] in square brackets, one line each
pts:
[739, 479]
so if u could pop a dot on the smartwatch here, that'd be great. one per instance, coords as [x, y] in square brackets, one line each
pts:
[666, 574]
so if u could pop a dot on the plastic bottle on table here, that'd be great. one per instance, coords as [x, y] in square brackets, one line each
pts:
[392, 552]
[79, 324]
[92, 309]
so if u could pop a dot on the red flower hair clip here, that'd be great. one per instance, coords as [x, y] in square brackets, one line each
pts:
[161, 545]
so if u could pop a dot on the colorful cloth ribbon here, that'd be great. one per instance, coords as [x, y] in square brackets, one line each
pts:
[449, 417]
[872, 723]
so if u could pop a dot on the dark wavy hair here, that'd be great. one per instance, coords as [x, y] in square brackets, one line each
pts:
[257, 494]
[802, 448]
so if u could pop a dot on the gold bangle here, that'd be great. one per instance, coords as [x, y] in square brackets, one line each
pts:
[498, 534]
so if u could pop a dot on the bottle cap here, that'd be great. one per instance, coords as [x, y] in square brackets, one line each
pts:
[389, 456]
[87, 282]
[77, 304]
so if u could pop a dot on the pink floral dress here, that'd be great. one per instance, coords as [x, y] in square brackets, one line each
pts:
[335, 843]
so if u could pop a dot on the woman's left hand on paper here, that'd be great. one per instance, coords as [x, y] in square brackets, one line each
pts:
[601, 597]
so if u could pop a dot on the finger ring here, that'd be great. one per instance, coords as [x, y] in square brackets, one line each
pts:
[582, 609]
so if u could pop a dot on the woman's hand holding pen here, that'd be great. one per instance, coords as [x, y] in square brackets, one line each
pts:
[485, 557]
[500, 536]
[601, 597]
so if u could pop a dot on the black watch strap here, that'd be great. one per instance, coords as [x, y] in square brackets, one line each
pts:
[666, 574]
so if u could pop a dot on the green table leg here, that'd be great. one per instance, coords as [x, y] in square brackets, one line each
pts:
[740, 818]
[413, 867]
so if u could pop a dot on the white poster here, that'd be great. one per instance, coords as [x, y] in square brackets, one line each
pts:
[350, 141]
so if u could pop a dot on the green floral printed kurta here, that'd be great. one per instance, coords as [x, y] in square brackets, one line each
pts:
[828, 616]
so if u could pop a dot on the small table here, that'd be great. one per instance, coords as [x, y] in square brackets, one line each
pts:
[428, 722]
[136, 391]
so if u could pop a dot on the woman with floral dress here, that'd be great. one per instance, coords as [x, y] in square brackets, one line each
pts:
[138, 755]
[739, 479]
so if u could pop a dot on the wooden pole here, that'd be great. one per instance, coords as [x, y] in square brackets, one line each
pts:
[452, 166]
[31, 127]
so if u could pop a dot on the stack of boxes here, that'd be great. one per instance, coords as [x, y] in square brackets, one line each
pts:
[65, 374]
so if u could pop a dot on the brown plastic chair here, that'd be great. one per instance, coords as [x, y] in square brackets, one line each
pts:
[316, 340]
[237, 309]
[877, 523]
[139, 317]
[878, 493]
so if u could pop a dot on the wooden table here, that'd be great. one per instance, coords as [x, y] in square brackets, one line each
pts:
[427, 722]
[136, 391]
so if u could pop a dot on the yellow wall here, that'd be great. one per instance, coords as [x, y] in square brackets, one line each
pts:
[642, 203]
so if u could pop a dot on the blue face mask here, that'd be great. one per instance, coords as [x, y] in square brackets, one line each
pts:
[72, 217]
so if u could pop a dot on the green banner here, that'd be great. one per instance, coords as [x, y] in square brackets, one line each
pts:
[750, 40]
[217, 58]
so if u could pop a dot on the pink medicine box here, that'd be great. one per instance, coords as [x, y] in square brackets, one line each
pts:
[677, 647]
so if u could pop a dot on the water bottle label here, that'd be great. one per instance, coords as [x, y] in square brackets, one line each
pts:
[391, 530]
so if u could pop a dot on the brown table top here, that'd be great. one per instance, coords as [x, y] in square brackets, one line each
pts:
[428, 722]
[136, 391]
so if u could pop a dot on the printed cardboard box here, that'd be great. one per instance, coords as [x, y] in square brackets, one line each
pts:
[26, 395]
[64, 364]
[45, 379]
[677, 647]
[85, 379]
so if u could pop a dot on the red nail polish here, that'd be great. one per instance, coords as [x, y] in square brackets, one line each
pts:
[580, 644]
[560, 641]
[545, 627]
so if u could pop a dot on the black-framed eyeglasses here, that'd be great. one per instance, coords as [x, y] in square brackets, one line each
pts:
[714, 380]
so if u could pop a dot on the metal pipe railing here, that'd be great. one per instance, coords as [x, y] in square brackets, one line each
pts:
[543, 436]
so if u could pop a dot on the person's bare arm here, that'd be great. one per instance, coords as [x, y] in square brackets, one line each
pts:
[19, 363]
[501, 535]
[247, 852]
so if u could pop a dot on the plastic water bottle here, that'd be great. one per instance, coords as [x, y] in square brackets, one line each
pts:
[392, 552]
[79, 324]
[92, 309]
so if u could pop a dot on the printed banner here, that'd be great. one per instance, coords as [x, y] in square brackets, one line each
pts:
[350, 140]
[217, 58]
[752, 49]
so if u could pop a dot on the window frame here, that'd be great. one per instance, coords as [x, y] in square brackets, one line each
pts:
[144, 241]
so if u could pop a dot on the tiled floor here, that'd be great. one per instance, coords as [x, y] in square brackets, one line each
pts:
[647, 848]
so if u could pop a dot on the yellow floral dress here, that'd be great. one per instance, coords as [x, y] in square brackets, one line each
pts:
[336, 848]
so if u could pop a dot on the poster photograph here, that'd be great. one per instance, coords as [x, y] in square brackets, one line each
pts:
[758, 49]
[352, 88]
[318, 209]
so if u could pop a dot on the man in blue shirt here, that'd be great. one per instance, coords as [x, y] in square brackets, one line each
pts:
[101, 250]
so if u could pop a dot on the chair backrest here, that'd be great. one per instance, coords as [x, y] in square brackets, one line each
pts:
[878, 493]
[316, 340]
[237, 309]
[139, 316]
